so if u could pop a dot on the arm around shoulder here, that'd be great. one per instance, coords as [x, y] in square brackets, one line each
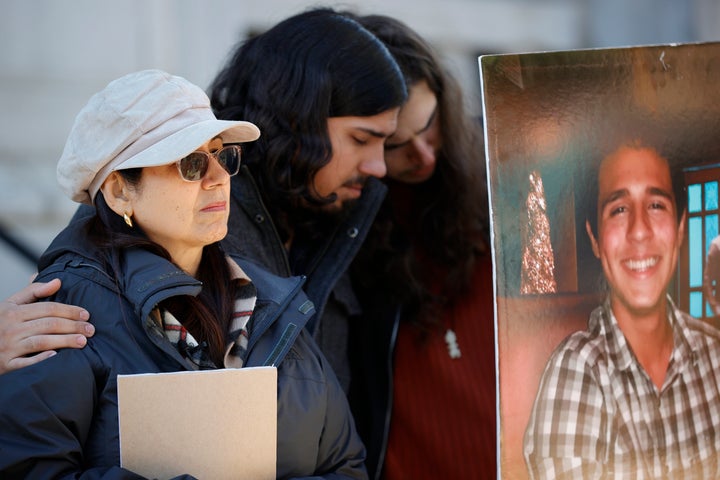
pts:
[32, 331]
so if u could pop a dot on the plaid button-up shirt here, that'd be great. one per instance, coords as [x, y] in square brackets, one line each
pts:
[599, 415]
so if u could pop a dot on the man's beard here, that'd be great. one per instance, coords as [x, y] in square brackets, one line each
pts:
[334, 212]
[330, 213]
[312, 221]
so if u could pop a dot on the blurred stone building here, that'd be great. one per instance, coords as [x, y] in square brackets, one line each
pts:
[54, 54]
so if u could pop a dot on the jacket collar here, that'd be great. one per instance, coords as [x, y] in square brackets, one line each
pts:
[74, 239]
[325, 264]
[148, 280]
[144, 278]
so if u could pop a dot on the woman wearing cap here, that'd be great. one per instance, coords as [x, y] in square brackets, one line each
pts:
[156, 163]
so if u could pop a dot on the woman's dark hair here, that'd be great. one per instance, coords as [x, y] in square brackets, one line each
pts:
[207, 317]
[289, 81]
[451, 207]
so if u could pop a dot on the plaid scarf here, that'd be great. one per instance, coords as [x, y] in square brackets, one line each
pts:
[236, 348]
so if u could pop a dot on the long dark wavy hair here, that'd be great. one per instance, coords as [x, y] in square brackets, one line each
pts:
[288, 81]
[207, 317]
[450, 210]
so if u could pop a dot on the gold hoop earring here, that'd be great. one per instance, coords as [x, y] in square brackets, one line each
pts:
[127, 219]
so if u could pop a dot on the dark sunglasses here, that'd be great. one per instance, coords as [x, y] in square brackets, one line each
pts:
[194, 167]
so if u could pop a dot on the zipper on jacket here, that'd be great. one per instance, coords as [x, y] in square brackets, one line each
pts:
[388, 408]
[81, 264]
[288, 336]
[278, 312]
[54, 268]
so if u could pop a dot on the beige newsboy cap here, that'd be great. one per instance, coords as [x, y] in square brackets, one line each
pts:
[143, 119]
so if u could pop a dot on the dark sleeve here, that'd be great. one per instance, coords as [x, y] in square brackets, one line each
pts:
[46, 415]
[340, 444]
[313, 407]
[46, 411]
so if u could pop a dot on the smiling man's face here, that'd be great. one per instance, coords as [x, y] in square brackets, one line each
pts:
[639, 236]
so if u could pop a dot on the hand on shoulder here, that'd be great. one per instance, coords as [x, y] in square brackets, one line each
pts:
[32, 331]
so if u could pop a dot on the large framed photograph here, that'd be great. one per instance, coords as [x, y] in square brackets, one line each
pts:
[551, 121]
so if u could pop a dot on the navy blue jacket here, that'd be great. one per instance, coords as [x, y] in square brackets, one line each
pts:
[252, 234]
[58, 418]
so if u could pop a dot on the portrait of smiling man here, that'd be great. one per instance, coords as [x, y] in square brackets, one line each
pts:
[636, 395]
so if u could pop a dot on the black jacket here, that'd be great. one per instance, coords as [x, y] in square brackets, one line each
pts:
[371, 392]
[252, 233]
[58, 418]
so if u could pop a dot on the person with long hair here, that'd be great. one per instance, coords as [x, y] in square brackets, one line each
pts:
[148, 153]
[326, 94]
[427, 340]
